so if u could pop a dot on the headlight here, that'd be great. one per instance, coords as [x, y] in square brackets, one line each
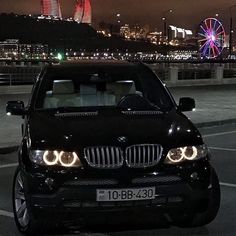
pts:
[55, 158]
[189, 153]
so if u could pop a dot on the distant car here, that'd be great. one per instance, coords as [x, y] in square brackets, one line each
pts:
[103, 137]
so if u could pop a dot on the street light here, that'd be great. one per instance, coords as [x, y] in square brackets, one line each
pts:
[118, 15]
[165, 22]
[231, 31]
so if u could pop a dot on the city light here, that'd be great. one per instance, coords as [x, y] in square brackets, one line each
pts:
[59, 56]
[211, 36]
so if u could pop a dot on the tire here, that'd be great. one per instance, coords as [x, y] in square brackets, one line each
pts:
[24, 219]
[206, 217]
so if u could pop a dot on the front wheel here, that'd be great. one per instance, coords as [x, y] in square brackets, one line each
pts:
[24, 219]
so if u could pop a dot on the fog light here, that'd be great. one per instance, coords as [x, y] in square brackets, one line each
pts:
[194, 176]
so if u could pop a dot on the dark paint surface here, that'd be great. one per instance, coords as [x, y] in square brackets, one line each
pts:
[170, 130]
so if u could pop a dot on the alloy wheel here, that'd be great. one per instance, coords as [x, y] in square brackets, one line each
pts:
[21, 210]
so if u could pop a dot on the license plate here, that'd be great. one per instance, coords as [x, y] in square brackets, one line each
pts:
[129, 194]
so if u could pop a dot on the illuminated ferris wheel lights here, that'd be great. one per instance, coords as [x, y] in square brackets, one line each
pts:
[211, 38]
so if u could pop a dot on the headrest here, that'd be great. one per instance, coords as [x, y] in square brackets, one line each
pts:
[122, 87]
[63, 87]
[88, 89]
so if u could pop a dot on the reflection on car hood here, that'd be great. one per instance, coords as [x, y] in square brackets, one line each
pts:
[71, 131]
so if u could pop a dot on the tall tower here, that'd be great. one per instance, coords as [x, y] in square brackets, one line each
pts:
[83, 11]
[51, 8]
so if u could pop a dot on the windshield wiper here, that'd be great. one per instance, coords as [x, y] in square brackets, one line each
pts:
[157, 108]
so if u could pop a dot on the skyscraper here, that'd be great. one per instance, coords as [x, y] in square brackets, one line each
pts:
[83, 11]
[51, 8]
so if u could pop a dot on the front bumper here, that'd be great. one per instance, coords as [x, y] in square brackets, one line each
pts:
[176, 192]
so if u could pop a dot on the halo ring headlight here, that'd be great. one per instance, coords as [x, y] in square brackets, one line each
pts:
[74, 156]
[193, 155]
[48, 161]
[175, 160]
[187, 153]
[55, 158]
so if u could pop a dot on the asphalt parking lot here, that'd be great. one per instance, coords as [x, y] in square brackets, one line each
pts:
[222, 142]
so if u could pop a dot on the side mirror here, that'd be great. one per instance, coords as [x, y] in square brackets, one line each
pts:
[15, 108]
[186, 104]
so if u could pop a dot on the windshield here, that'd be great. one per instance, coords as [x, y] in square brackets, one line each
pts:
[127, 88]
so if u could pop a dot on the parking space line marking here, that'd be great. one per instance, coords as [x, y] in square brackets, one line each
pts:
[223, 149]
[8, 165]
[228, 185]
[6, 213]
[218, 134]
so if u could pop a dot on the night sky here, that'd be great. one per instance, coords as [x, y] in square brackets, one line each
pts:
[187, 13]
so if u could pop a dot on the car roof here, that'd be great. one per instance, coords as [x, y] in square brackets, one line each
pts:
[85, 63]
[73, 67]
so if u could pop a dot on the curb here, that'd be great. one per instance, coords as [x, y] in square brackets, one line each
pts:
[13, 148]
[15, 89]
[215, 123]
[8, 149]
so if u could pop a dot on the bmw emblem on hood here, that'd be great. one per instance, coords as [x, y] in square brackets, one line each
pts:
[122, 139]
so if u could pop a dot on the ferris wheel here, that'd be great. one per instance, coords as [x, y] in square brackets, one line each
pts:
[211, 38]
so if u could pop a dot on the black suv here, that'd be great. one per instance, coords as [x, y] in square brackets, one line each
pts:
[106, 137]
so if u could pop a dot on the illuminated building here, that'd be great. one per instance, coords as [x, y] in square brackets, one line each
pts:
[155, 37]
[32, 51]
[9, 49]
[83, 11]
[125, 31]
[138, 32]
[179, 33]
[51, 8]
[226, 44]
[12, 49]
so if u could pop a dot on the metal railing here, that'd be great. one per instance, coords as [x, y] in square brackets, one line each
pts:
[195, 74]
[229, 73]
[18, 75]
[172, 74]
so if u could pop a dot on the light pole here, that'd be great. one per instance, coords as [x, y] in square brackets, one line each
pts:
[231, 31]
[118, 18]
[118, 21]
[115, 22]
[164, 19]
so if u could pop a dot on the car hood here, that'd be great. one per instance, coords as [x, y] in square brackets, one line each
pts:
[72, 131]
